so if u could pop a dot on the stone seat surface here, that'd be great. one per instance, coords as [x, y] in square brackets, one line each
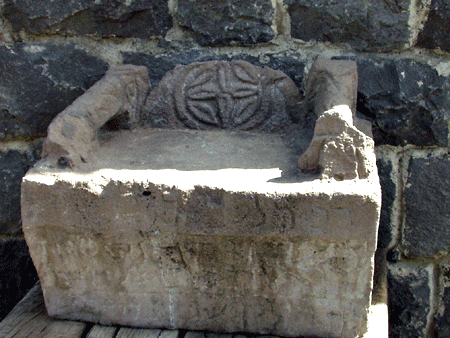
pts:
[202, 157]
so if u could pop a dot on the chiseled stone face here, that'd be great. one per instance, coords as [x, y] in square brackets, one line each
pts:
[225, 249]
[144, 254]
[214, 226]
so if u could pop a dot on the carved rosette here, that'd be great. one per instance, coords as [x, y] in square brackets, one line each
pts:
[225, 95]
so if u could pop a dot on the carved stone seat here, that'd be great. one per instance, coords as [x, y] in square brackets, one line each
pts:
[208, 202]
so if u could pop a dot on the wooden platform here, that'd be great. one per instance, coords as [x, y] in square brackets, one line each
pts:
[29, 319]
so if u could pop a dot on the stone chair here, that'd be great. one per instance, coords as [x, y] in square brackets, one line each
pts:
[212, 201]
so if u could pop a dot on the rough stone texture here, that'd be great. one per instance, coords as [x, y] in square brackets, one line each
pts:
[408, 100]
[122, 18]
[442, 318]
[437, 27]
[38, 81]
[427, 226]
[338, 149]
[203, 230]
[72, 135]
[332, 83]
[185, 258]
[223, 95]
[409, 300]
[388, 192]
[292, 64]
[369, 26]
[13, 166]
[17, 273]
[225, 22]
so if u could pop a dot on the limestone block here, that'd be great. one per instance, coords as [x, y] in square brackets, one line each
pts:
[212, 228]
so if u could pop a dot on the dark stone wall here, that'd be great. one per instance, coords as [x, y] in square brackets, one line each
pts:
[17, 273]
[367, 26]
[39, 81]
[52, 51]
[104, 18]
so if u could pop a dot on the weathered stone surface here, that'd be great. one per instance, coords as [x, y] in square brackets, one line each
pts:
[38, 81]
[409, 300]
[370, 26]
[13, 166]
[437, 27]
[173, 264]
[388, 193]
[332, 83]
[442, 318]
[17, 273]
[72, 135]
[135, 18]
[206, 230]
[224, 22]
[408, 100]
[223, 95]
[427, 226]
[292, 64]
[338, 149]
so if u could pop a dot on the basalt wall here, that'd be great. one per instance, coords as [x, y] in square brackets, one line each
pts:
[51, 52]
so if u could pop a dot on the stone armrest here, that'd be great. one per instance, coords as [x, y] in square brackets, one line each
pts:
[342, 146]
[72, 135]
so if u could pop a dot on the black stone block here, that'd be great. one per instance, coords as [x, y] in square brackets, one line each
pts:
[408, 101]
[13, 166]
[17, 273]
[224, 22]
[38, 81]
[367, 26]
[388, 192]
[139, 18]
[427, 203]
[408, 301]
[436, 31]
[442, 318]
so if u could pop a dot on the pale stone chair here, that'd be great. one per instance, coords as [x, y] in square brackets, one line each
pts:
[208, 203]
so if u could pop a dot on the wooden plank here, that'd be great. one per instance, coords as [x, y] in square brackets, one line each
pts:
[219, 335]
[29, 319]
[127, 332]
[101, 331]
[169, 334]
[194, 334]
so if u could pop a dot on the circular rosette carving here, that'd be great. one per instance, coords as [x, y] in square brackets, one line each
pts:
[224, 95]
